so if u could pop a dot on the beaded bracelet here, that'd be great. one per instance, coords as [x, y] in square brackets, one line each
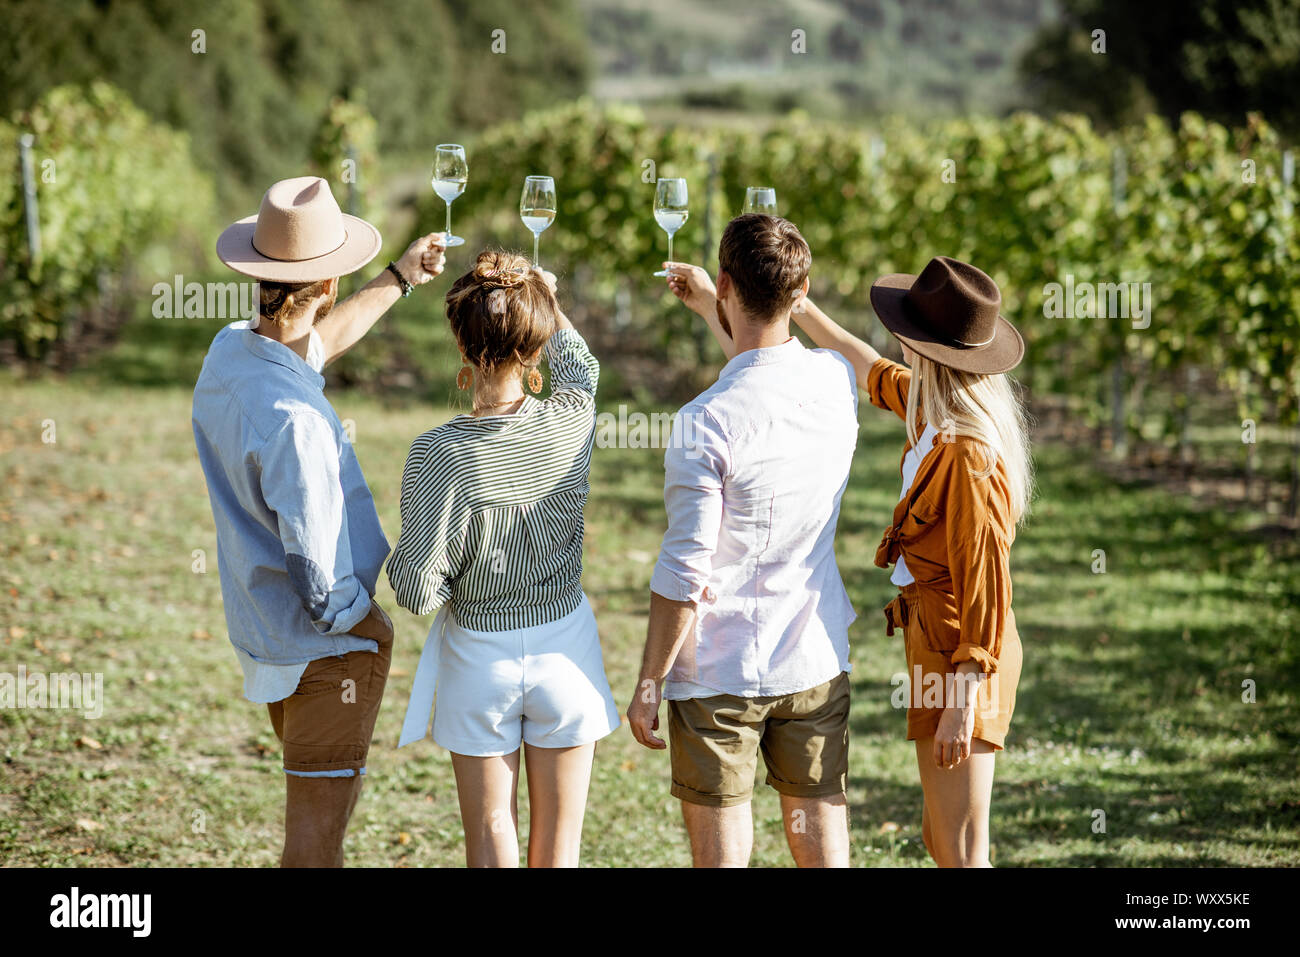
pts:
[406, 286]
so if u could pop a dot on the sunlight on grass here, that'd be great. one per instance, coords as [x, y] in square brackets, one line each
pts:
[1131, 702]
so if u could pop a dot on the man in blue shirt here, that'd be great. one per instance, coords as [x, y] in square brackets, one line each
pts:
[299, 545]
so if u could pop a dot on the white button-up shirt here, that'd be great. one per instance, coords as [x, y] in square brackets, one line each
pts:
[753, 480]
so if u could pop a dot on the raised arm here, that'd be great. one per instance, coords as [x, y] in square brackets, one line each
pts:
[828, 334]
[352, 318]
[692, 285]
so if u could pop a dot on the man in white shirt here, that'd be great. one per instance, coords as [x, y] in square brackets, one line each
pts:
[748, 616]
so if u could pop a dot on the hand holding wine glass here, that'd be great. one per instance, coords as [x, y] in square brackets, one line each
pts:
[423, 260]
[537, 208]
[693, 286]
[671, 210]
[450, 174]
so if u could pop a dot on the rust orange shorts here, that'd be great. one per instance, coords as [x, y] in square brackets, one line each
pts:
[327, 723]
[929, 646]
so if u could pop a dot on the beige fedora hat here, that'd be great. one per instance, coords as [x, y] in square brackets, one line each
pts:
[299, 235]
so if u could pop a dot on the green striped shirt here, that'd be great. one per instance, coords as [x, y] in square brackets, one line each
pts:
[492, 506]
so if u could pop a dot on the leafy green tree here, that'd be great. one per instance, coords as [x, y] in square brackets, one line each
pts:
[1221, 58]
[249, 80]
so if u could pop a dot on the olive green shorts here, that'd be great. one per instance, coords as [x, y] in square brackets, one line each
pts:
[714, 744]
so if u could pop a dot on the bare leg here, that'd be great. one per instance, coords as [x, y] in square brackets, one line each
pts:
[316, 813]
[487, 789]
[557, 798]
[720, 836]
[957, 805]
[817, 830]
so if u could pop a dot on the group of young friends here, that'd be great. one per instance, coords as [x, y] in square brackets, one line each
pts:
[747, 638]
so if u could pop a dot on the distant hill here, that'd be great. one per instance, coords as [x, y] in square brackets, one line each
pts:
[862, 56]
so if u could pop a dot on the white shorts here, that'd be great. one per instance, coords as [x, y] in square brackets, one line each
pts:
[544, 686]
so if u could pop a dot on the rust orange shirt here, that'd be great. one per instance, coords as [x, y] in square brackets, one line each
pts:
[955, 531]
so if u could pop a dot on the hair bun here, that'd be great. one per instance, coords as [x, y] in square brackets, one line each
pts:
[500, 270]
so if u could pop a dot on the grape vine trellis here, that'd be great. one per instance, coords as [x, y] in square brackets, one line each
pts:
[1205, 217]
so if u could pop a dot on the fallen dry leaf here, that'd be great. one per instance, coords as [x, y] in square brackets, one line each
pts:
[87, 742]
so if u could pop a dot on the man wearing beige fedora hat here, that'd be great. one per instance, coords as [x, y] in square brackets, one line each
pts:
[299, 545]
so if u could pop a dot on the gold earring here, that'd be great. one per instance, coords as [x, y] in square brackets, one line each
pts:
[465, 378]
[534, 381]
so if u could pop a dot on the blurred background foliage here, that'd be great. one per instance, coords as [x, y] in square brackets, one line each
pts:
[269, 68]
[992, 131]
[120, 198]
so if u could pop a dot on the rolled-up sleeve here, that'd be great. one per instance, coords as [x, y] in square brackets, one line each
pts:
[300, 483]
[427, 557]
[979, 561]
[887, 386]
[695, 467]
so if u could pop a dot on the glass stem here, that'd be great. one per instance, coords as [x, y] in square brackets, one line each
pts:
[448, 217]
[536, 238]
[670, 247]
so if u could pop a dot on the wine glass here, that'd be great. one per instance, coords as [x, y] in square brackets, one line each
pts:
[760, 199]
[450, 173]
[670, 210]
[537, 207]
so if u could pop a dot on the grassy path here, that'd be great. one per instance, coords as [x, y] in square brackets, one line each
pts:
[1131, 701]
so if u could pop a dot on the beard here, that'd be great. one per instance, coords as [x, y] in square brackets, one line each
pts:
[722, 320]
[324, 308]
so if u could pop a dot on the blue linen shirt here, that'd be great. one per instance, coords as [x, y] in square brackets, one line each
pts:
[299, 544]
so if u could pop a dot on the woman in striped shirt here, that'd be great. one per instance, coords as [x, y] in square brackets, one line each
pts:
[492, 536]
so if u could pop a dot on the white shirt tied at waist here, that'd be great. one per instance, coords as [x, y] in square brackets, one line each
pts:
[424, 689]
[753, 479]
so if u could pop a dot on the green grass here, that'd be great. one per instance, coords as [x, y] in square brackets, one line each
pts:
[1130, 701]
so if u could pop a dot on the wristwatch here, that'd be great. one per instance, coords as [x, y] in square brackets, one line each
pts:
[406, 286]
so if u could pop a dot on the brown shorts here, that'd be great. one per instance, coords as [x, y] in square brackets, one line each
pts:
[804, 738]
[326, 724]
[929, 666]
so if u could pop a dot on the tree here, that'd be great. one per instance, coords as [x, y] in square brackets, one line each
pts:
[1221, 58]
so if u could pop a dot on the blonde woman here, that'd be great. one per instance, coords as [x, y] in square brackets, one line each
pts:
[492, 532]
[966, 485]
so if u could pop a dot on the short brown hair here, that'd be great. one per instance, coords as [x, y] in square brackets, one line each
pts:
[501, 311]
[767, 259]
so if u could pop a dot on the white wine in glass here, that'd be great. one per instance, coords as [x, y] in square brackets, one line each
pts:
[450, 174]
[760, 199]
[537, 207]
[670, 210]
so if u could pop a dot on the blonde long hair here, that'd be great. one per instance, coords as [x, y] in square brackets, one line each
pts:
[985, 408]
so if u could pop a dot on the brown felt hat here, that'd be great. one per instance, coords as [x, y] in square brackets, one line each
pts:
[950, 315]
[299, 235]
